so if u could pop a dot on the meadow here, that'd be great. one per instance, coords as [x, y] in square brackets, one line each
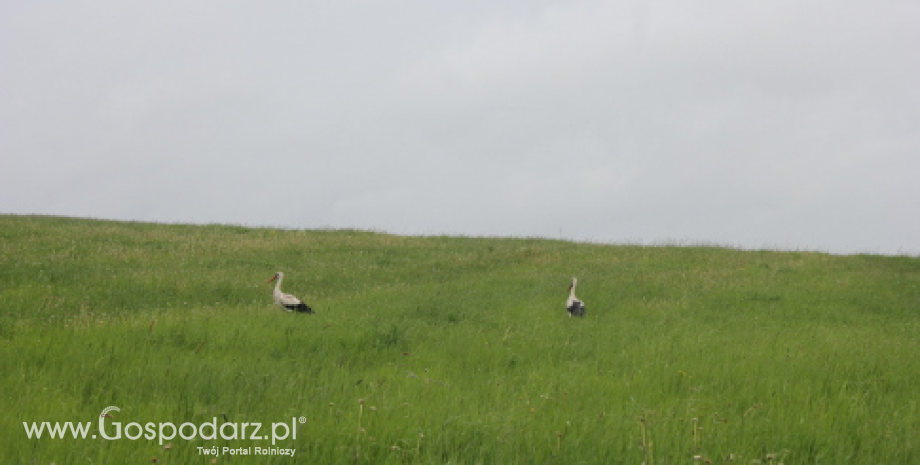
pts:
[453, 349]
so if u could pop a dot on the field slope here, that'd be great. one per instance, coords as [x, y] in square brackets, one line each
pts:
[451, 349]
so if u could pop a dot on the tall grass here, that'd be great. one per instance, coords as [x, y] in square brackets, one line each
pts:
[453, 349]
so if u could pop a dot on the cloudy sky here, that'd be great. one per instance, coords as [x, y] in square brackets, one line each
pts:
[782, 124]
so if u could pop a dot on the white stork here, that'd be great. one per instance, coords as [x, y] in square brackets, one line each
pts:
[289, 302]
[574, 305]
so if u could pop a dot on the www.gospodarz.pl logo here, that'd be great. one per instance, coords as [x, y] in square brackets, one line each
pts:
[166, 431]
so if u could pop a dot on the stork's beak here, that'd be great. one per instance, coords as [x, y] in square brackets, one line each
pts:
[273, 278]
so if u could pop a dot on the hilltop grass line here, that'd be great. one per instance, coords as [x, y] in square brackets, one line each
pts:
[455, 349]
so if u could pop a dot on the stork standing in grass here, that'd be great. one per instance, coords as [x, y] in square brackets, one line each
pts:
[574, 305]
[289, 302]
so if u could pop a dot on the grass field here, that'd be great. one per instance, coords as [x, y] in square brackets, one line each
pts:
[452, 349]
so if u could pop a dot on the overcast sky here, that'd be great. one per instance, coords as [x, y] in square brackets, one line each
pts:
[786, 124]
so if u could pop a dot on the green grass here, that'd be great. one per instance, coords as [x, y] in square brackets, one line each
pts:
[454, 349]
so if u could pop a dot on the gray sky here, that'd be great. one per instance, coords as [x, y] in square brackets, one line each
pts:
[782, 124]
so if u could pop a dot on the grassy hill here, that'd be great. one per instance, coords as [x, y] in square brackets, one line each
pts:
[450, 349]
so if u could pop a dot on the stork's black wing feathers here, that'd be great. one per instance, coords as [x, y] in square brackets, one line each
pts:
[577, 308]
[300, 308]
